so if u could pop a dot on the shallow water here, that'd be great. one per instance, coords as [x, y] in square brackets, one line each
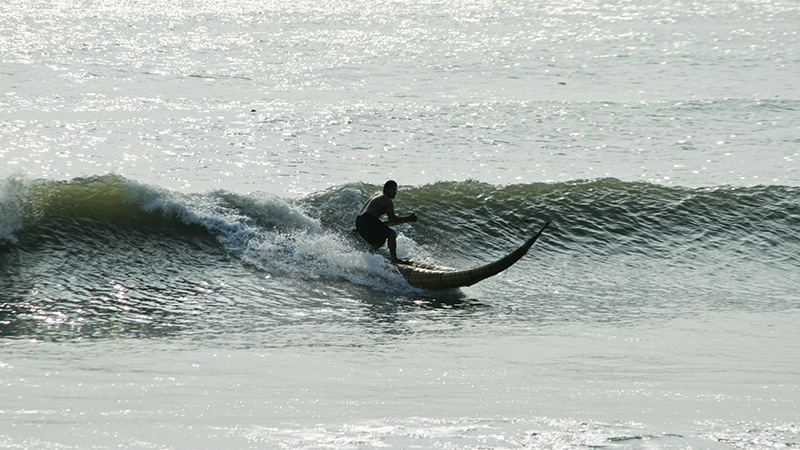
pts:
[178, 184]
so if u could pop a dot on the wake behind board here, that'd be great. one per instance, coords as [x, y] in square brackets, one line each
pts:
[430, 276]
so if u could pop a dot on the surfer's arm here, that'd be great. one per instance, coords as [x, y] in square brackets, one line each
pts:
[397, 220]
[394, 219]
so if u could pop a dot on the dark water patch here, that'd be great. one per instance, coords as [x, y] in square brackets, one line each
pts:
[599, 217]
[87, 262]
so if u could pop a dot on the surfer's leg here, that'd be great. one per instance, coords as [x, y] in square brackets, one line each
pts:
[392, 244]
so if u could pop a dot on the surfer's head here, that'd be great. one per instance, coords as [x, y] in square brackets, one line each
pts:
[390, 188]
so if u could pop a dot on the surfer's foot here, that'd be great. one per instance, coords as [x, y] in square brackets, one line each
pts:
[399, 261]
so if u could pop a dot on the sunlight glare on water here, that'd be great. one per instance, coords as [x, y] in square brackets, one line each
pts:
[178, 186]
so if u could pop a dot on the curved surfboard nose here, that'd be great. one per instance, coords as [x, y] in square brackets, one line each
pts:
[428, 276]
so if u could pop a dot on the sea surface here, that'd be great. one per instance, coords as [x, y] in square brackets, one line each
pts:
[179, 182]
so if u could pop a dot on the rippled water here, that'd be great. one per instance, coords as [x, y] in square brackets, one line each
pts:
[302, 96]
[177, 189]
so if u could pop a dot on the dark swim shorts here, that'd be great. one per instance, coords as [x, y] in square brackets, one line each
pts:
[372, 229]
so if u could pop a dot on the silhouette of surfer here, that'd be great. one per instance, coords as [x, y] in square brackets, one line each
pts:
[370, 226]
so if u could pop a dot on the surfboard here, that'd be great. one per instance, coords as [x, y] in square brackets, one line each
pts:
[434, 277]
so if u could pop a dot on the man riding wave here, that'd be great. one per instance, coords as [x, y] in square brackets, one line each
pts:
[372, 229]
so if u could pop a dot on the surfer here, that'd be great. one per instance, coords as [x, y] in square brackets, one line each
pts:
[372, 229]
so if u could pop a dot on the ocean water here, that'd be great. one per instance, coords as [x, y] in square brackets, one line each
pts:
[179, 182]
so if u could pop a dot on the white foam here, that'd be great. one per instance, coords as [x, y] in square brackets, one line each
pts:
[274, 236]
[12, 209]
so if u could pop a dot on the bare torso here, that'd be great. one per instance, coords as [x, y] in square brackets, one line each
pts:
[378, 205]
